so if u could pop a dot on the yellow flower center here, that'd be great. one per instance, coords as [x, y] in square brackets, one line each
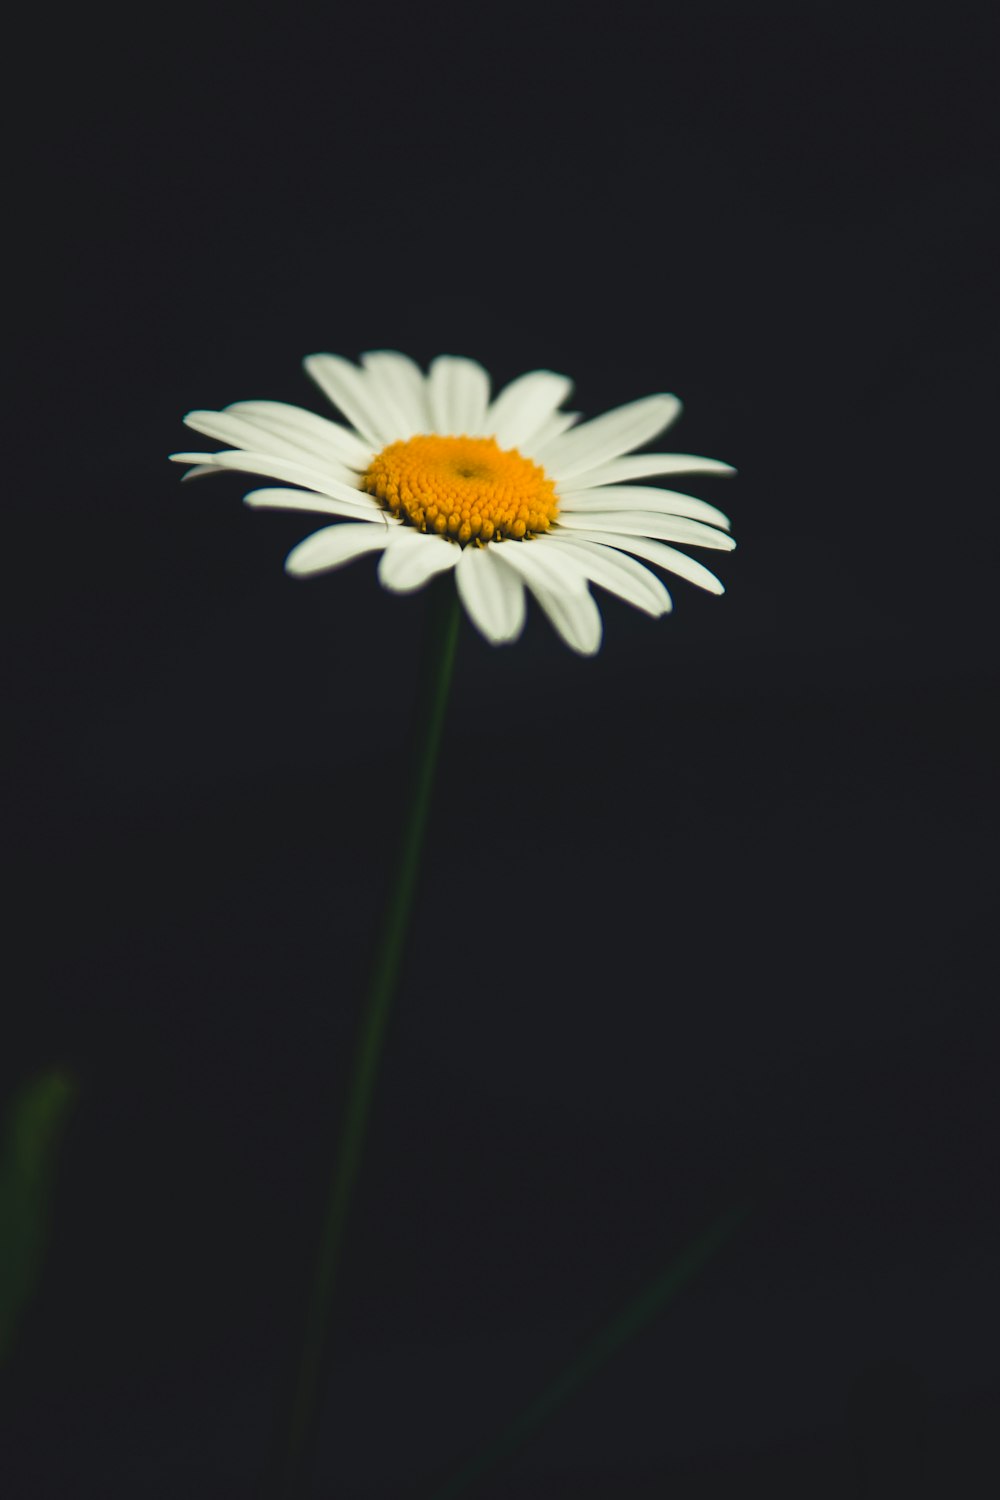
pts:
[468, 489]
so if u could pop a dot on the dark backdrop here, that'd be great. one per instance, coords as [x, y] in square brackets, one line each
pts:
[703, 920]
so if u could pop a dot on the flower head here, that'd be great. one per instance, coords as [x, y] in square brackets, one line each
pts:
[509, 494]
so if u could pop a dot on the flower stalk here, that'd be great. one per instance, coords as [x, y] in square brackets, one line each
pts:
[437, 670]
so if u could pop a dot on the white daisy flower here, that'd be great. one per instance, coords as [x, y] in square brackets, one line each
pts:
[509, 494]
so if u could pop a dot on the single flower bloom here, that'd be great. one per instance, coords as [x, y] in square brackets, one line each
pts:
[509, 494]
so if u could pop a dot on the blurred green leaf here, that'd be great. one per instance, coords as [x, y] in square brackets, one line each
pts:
[630, 1320]
[32, 1130]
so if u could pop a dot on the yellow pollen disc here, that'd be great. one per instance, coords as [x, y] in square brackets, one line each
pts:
[467, 489]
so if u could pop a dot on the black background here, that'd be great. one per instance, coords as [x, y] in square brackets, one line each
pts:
[705, 919]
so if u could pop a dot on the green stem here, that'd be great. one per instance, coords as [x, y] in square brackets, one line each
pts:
[437, 667]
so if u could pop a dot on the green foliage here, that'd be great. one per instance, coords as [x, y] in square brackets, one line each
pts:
[36, 1120]
[630, 1321]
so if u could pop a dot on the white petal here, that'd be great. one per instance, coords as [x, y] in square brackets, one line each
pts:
[645, 523]
[459, 392]
[557, 424]
[321, 436]
[240, 432]
[400, 386]
[655, 552]
[617, 573]
[362, 509]
[412, 559]
[560, 588]
[334, 546]
[492, 594]
[641, 497]
[285, 469]
[347, 387]
[524, 405]
[198, 470]
[608, 436]
[642, 465]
